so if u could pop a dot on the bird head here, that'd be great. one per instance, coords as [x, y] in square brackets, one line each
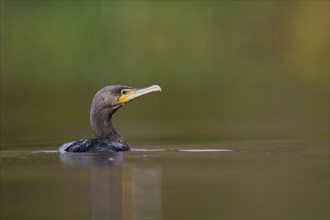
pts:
[107, 101]
[113, 97]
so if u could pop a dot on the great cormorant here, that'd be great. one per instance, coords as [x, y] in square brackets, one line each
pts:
[105, 103]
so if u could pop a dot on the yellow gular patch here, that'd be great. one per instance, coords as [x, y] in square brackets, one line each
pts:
[124, 95]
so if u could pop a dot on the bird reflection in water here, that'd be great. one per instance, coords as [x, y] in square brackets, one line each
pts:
[120, 189]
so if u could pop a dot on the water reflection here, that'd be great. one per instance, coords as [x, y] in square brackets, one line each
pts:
[120, 190]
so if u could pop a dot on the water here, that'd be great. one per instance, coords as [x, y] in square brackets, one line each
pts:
[274, 179]
[240, 130]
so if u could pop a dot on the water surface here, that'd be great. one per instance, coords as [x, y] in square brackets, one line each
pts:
[240, 130]
[280, 179]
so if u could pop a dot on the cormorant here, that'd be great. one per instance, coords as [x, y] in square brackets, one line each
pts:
[105, 103]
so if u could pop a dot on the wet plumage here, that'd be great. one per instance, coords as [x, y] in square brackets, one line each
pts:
[105, 103]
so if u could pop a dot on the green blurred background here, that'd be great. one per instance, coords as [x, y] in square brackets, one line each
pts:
[240, 70]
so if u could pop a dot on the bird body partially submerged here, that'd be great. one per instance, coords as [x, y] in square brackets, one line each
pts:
[94, 145]
[105, 103]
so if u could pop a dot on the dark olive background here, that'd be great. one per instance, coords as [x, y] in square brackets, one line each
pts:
[250, 76]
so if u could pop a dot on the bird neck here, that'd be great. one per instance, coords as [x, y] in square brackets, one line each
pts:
[101, 123]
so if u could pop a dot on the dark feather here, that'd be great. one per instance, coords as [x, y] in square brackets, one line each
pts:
[96, 145]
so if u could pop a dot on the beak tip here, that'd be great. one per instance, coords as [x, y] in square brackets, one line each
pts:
[157, 88]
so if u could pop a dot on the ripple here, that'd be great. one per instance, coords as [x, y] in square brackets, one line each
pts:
[201, 150]
[205, 150]
[194, 150]
[45, 151]
[149, 150]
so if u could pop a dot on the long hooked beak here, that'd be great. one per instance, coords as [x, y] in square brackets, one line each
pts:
[134, 93]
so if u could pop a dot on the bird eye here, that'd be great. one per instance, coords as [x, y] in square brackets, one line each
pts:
[123, 92]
